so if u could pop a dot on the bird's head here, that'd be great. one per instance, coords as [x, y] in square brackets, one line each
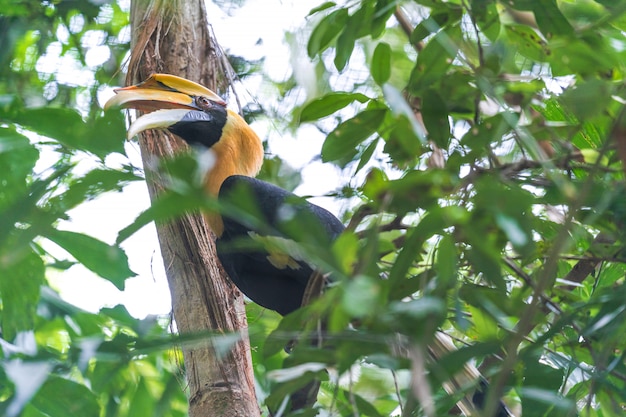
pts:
[200, 117]
[187, 109]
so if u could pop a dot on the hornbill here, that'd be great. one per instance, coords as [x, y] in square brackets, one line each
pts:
[200, 117]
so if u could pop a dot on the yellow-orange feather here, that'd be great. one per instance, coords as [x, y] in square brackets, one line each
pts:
[238, 152]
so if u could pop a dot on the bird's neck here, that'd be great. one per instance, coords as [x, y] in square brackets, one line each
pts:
[238, 152]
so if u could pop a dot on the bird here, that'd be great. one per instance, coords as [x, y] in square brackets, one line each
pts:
[201, 118]
[264, 273]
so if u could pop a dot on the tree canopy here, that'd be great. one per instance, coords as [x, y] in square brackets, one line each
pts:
[482, 145]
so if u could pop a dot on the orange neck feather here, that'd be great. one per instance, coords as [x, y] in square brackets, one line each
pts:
[238, 152]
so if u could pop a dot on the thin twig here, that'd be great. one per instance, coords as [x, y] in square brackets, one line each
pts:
[407, 27]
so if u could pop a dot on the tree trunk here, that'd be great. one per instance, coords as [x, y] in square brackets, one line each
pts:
[173, 37]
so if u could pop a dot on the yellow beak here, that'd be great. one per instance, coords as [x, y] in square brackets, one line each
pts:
[169, 97]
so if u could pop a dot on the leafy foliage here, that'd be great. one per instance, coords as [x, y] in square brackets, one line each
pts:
[500, 214]
[486, 153]
[58, 360]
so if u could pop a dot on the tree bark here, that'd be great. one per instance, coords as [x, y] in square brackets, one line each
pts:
[173, 37]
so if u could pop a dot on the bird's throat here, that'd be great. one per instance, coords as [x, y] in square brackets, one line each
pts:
[238, 152]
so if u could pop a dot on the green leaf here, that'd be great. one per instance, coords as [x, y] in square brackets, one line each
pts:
[550, 19]
[573, 55]
[383, 10]
[435, 115]
[326, 30]
[328, 104]
[487, 17]
[431, 224]
[418, 318]
[108, 261]
[17, 159]
[91, 185]
[345, 46]
[62, 124]
[486, 260]
[323, 6]
[454, 361]
[347, 39]
[143, 402]
[541, 402]
[103, 135]
[346, 248]
[399, 107]
[486, 327]
[435, 59]
[20, 280]
[588, 99]
[341, 144]
[435, 22]
[361, 296]
[366, 155]
[403, 145]
[59, 397]
[527, 42]
[522, 4]
[446, 263]
[381, 63]
[168, 206]
[365, 407]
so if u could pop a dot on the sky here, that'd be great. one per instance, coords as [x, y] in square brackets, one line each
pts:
[254, 30]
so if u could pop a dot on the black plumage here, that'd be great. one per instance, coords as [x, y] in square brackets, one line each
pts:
[250, 266]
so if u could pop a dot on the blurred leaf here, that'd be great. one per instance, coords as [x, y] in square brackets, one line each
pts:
[486, 327]
[143, 402]
[168, 206]
[418, 318]
[434, 23]
[321, 7]
[435, 115]
[527, 42]
[326, 30]
[342, 142]
[446, 265]
[20, 279]
[400, 108]
[328, 104]
[454, 361]
[485, 261]
[381, 63]
[346, 247]
[104, 135]
[110, 262]
[383, 10]
[361, 296]
[364, 407]
[587, 99]
[433, 223]
[573, 55]
[542, 402]
[278, 172]
[550, 20]
[435, 59]
[17, 158]
[353, 30]
[487, 17]
[91, 185]
[59, 397]
[403, 145]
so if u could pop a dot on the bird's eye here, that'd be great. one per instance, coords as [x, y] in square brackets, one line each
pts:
[203, 102]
